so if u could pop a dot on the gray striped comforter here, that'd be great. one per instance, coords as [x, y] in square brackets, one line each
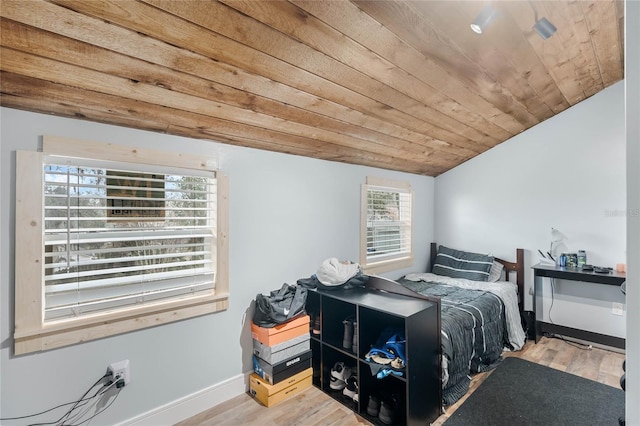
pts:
[474, 331]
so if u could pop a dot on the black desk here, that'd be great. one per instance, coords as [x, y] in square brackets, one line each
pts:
[575, 274]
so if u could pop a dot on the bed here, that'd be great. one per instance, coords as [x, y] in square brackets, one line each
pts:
[480, 311]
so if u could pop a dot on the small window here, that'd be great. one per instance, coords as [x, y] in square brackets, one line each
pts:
[128, 243]
[386, 225]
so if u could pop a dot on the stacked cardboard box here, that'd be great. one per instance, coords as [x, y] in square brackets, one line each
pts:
[281, 361]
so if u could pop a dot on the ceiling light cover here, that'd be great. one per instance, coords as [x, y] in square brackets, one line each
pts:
[544, 28]
[482, 21]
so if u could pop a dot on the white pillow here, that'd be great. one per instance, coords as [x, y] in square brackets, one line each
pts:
[495, 273]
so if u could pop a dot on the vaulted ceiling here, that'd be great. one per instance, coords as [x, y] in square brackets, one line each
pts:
[396, 84]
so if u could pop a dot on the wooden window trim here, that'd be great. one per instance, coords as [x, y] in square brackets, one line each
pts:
[381, 266]
[31, 333]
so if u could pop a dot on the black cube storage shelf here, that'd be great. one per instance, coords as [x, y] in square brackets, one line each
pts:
[419, 388]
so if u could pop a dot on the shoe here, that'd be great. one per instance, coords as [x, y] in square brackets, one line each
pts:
[373, 407]
[339, 375]
[351, 389]
[347, 338]
[389, 410]
[354, 344]
[398, 364]
[316, 325]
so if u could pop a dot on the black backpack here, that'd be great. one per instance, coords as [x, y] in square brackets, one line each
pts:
[280, 306]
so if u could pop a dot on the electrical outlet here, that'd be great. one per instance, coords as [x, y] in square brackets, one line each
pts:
[617, 309]
[120, 370]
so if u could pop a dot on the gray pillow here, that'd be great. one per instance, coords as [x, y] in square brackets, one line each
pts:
[462, 264]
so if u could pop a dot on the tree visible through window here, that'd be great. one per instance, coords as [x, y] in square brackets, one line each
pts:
[387, 223]
[115, 238]
[111, 239]
[384, 227]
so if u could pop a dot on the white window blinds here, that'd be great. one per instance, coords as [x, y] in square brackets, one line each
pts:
[388, 232]
[119, 235]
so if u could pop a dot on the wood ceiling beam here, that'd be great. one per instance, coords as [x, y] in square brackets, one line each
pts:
[42, 96]
[550, 52]
[74, 25]
[19, 37]
[255, 44]
[71, 75]
[201, 38]
[503, 54]
[350, 20]
[605, 39]
[295, 23]
[428, 30]
[395, 84]
[575, 47]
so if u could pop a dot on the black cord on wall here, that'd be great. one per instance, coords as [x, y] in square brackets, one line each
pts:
[78, 404]
[556, 336]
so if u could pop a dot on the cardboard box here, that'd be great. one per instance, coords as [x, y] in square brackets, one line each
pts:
[276, 373]
[282, 332]
[282, 351]
[269, 395]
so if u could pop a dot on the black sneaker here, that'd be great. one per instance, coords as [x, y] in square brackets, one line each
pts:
[389, 410]
[373, 407]
[351, 390]
[339, 375]
[316, 325]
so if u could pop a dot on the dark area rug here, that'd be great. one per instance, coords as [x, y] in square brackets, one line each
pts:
[520, 392]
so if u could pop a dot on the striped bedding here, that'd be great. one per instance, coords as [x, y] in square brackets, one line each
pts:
[479, 320]
[462, 264]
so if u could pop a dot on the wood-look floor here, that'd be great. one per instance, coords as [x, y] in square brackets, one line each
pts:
[313, 407]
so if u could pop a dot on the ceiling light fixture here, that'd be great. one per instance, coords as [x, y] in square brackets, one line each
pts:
[484, 19]
[544, 28]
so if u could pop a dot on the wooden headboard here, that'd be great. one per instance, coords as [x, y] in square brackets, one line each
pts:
[517, 267]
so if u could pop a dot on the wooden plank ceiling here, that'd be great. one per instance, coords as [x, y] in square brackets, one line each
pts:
[401, 85]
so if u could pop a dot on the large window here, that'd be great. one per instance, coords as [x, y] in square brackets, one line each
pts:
[117, 244]
[386, 225]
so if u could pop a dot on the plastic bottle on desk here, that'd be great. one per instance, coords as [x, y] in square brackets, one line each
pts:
[562, 260]
[582, 258]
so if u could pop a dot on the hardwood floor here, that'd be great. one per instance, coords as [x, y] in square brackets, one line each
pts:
[311, 407]
[314, 408]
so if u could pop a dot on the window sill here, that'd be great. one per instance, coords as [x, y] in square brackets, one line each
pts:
[387, 265]
[71, 331]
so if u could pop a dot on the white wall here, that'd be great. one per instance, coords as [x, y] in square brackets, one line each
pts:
[567, 172]
[287, 214]
[276, 238]
[632, 72]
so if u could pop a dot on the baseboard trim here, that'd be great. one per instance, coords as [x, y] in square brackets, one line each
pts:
[589, 336]
[190, 405]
